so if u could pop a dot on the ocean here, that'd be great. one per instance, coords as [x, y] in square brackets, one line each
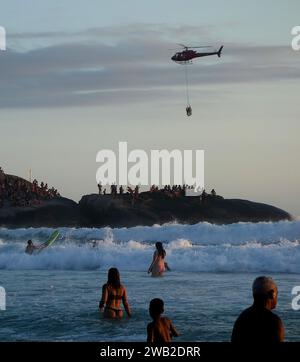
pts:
[53, 296]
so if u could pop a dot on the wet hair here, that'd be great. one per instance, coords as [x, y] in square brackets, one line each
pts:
[159, 247]
[29, 242]
[263, 288]
[156, 307]
[113, 277]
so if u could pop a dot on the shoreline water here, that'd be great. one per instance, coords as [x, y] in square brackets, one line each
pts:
[54, 295]
[63, 305]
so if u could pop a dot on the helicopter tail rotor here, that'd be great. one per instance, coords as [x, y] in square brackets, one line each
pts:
[220, 51]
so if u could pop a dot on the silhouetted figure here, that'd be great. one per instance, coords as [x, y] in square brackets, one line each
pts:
[132, 194]
[158, 264]
[203, 196]
[2, 174]
[213, 193]
[188, 110]
[161, 329]
[136, 191]
[2, 187]
[257, 323]
[99, 188]
[121, 190]
[113, 190]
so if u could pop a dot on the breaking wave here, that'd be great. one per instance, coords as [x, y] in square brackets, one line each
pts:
[203, 247]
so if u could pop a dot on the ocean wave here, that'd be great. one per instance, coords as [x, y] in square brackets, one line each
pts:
[204, 247]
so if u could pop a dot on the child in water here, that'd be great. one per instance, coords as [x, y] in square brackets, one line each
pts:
[161, 329]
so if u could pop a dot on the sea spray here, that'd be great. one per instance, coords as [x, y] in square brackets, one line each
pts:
[203, 247]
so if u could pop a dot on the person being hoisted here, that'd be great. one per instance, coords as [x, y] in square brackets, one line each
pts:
[188, 110]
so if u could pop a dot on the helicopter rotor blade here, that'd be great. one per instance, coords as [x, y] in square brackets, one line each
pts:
[195, 47]
[183, 46]
[204, 46]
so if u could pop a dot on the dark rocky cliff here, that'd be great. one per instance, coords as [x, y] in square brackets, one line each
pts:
[149, 209]
[122, 210]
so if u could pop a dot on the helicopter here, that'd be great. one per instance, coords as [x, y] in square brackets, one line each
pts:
[185, 57]
[189, 53]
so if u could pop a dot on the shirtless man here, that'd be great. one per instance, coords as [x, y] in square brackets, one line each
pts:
[258, 323]
[30, 248]
[161, 329]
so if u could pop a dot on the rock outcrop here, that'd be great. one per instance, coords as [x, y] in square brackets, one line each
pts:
[158, 208]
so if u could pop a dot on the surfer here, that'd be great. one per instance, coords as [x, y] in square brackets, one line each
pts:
[258, 323]
[161, 329]
[113, 292]
[158, 265]
[30, 248]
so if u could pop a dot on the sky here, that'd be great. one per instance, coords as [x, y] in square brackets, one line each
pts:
[78, 77]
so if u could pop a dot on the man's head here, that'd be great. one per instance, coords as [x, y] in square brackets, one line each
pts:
[265, 292]
[156, 307]
[29, 242]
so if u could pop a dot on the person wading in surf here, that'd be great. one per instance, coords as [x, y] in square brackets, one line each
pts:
[258, 324]
[113, 292]
[158, 265]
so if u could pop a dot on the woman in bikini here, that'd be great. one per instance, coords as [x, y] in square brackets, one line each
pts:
[158, 265]
[113, 292]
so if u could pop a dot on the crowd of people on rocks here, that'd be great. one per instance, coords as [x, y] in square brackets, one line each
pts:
[114, 190]
[21, 193]
[171, 191]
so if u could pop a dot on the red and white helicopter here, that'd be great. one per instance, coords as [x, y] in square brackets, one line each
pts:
[185, 57]
[189, 53]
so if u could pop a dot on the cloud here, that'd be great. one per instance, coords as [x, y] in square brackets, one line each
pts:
[134, 30]
[128, 64]
[38, 35]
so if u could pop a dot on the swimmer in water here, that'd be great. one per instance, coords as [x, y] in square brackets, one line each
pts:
[161, 329]
[158, 265]
[30, 248]
[113, 292]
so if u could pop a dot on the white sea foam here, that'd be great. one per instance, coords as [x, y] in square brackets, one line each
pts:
[240, 247]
